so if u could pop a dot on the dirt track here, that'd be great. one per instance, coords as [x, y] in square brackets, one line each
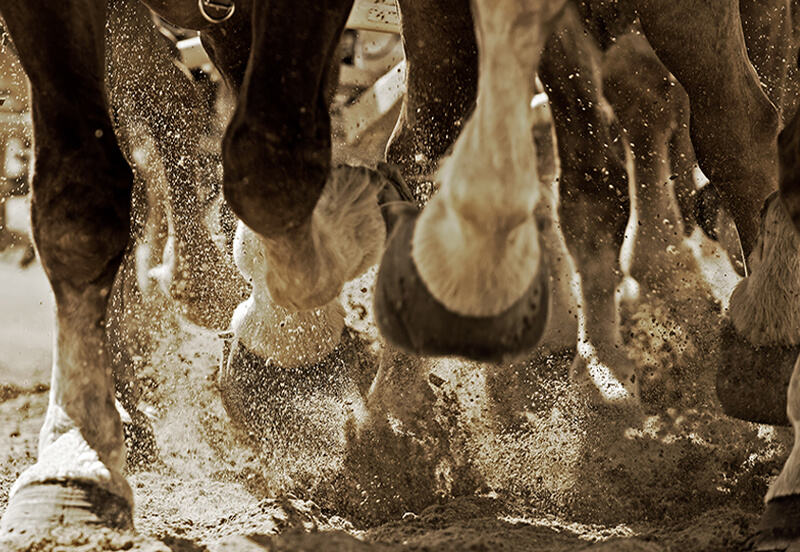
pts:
[685, 478]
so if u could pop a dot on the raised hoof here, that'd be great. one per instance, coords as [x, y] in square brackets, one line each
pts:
[752, 382]
[779, 528]
[307, 405]
[39, 507]
[410, 318]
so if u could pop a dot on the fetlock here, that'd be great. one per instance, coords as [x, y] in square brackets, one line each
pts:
[764, 307]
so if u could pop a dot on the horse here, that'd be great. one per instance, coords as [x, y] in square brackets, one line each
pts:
[465, 276]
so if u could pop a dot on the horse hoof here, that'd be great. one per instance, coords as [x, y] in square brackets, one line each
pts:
[752, 382]
[38, 507]
[304, 406]
[410, 318]
[779, 528]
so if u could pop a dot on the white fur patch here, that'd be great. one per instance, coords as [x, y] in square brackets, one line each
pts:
[765, 306]
[82, 388]
[476, 244]
[70, 458]
[308, 268]
[289, 339]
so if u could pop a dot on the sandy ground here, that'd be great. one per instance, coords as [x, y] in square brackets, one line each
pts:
[493, 458]
[561, 475]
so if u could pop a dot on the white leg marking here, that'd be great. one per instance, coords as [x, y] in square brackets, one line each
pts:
[765, 307]
[70, 458]
[788, 482]
[289, 339]
[476, 244]
[345, 236]
[81, 438]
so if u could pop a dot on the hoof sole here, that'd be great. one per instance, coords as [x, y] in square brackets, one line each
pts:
[752, 382]
[410, 318]
[37, 507]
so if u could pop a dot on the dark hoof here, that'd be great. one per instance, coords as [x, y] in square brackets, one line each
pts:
[410, 318]
[307, 405]
[779, 528]
[752, 382]
[39, 507]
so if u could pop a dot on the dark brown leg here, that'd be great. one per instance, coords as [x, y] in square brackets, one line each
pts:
[778, 528]
[80, 218]
[277, 162]
[277, 149]
[734, 125]
[593, 191]
[277, 159]
[767, 28]
[439, 43]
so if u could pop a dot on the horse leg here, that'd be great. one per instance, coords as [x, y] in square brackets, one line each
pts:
[319, 227]
[441, 84]
[652, 107]
[767, 29]
[80, 219]
[780, 522]
[733, 125]
[594, 200]
[467, 276]
[286, 368]
[682, 168]
[648, 104]
[307, 228]
[159, 98]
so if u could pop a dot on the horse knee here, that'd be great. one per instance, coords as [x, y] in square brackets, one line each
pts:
[80, 216]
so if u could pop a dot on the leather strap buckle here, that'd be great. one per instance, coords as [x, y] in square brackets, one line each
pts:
[216, 11]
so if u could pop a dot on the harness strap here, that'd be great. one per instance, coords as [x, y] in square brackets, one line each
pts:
[216, 11]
